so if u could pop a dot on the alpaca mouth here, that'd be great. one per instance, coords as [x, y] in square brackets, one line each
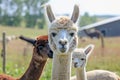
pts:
[63, 50]
[75, 66]
[50, 55]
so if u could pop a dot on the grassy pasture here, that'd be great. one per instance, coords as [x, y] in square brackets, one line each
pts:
[107, 58]
[30, 32]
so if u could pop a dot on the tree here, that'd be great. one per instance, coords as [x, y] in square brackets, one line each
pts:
[86, 19]
[14, 11]
[34, 14]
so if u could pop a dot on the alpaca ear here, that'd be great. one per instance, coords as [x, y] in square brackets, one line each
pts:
[75, 14]
[29, 40]
[89, 49]
[50, 14]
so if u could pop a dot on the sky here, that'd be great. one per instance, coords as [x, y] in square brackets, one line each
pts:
[93, 7]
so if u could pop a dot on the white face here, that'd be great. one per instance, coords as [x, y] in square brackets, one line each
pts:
[80, 56]
[79, 60]
[62, 38]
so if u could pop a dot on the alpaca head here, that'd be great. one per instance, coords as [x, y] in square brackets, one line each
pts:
[80, 56]
[41, 47]
[63, 31]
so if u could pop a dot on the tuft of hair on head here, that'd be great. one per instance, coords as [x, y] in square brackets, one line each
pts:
[45, 37]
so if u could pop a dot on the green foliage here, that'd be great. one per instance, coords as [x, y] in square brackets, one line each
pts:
[17, 11]
[86, 19]
[23, 31]
[30, 20]
[11, 20]
[41, 21]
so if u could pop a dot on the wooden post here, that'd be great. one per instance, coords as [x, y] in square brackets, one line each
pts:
[4, 51]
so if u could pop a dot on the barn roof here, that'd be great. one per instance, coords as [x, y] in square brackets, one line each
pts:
[100, 23]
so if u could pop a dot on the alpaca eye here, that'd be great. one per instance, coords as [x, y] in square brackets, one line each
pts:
[72, 34]
[82, 59]
[40, 47]
[53, 34]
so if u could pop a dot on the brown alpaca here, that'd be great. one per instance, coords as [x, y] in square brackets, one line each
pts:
[41, 53]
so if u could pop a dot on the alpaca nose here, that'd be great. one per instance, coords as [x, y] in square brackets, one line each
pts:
[75, 64]
[63, 42]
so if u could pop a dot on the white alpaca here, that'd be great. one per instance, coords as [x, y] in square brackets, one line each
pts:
[80, 57]
[62, 40]
[102, 75]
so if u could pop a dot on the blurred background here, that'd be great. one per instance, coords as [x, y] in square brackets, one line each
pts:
[99, 24]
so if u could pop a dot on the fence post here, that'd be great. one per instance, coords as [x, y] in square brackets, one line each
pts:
[4, 51]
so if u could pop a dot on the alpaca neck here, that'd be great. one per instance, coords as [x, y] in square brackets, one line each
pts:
[81, 74]
[61, 67]
[34, 70]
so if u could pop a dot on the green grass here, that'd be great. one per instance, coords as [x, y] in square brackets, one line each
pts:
[17, 63]
[30, 32]
[107, 58]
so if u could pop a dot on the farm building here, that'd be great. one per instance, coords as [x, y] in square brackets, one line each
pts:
[108, 28]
